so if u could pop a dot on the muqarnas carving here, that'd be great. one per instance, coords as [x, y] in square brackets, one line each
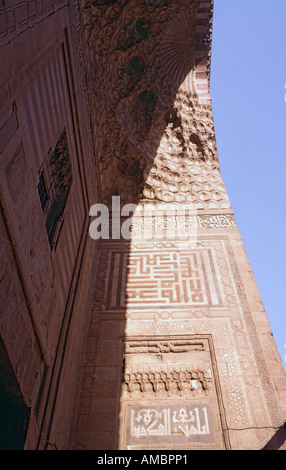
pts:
[163, 369]
[154, 138]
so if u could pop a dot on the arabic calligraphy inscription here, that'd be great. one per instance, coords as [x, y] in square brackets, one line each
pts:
[174, 423]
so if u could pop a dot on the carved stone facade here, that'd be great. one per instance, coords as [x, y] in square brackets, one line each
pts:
[165, 369]
[177, 327]
[157, 340]
[172, 321]
[47, 184]
[158, 140]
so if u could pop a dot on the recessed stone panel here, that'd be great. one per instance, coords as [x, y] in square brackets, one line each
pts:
[178, 423]
[169, 395]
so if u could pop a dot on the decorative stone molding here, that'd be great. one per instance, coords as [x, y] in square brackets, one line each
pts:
[165, 381]
[166, 368]
[20, 15]
[153, 227]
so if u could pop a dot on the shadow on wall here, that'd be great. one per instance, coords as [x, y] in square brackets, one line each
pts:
[278, 440]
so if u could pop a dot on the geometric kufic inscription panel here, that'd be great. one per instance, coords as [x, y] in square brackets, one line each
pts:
[167, 278]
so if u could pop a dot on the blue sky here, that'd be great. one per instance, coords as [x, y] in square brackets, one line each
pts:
[248, 78]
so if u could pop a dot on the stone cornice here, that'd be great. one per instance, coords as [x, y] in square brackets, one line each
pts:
[203, 46]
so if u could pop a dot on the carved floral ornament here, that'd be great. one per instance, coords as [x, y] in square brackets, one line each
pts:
[154, 138]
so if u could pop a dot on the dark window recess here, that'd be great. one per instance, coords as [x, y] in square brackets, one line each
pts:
[59, 176]
[14, 414]
[43, 191]
[13, 423]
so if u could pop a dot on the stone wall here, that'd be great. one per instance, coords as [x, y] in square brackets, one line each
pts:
[47, 185]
